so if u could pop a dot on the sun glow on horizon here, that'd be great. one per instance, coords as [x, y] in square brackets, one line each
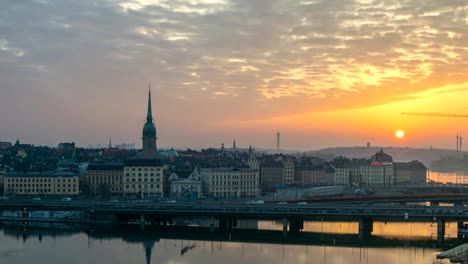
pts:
[400, 133]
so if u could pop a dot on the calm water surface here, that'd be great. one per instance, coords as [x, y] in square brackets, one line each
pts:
[55, 248]
[447, 177]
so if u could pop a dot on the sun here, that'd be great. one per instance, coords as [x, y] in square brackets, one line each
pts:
[400, 133]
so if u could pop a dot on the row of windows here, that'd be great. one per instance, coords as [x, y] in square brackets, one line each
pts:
[143, 180]
[30, 190]
[142, 174]
[65, 190]
[139, 186]
[143, 169]
[28, 185]
[39, 180]
[29, 180]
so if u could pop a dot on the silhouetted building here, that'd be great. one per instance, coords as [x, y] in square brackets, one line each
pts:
[5, 145]
[149, 138]
[413, 172]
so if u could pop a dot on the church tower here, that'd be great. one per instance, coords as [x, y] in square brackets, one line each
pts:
[149, 132]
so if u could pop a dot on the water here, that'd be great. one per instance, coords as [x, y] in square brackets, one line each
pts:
[447, 177]
[57, 246]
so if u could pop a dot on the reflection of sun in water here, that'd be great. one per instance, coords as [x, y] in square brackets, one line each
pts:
[400, 133]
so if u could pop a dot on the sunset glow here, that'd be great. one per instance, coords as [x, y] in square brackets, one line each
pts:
[400, 134]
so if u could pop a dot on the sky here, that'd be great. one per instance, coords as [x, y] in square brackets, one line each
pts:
[325, 73]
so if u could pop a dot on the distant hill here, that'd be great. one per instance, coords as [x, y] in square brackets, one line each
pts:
[399, 154]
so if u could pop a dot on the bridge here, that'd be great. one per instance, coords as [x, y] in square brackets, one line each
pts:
[456, 199]
[226, 215]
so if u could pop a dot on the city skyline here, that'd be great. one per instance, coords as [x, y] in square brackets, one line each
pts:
[323, 73]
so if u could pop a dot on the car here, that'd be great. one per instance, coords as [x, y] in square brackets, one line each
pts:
[66, 199]
[36, 198]
[282, 203]
[302, 203]
[171, 201]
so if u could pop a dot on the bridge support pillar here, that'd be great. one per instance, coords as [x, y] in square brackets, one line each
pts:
[142, 222]
[212, 224]
[223, 223]
[440, 231]
[285, 227]
[460, 230]
[296, 224]
[366, 226]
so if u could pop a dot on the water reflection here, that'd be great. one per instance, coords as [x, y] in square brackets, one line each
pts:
[404, 230]
[447, 177]
[48, 245]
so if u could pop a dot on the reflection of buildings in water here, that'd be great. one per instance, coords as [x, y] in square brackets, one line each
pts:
[243, 224]
[30, 232]
[148, 249]
[147, 241]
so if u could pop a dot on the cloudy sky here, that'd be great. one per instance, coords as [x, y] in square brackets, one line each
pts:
[323, 72]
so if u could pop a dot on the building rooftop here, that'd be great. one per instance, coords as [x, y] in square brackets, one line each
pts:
[107, 165]
[143, 163]
[41, 174]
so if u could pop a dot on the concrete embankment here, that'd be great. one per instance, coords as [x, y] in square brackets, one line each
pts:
[457, 254]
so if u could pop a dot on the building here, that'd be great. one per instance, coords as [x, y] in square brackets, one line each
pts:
[41, 183]
[143, 177]
[313, 176]
[5, 145]
[252, 161]
[413, 172]
[376, 175]
[271, 175]
[105, 176]
[150, 150]
[276, 170]
[230, 182]
[66, 146]
[342, 176]
[381, 157]
[190, 187]
[144, 174]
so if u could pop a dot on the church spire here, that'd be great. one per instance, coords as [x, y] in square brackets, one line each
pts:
[149, 115]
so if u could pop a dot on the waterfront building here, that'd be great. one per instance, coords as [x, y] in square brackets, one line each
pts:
[413, 172]
[230, 182]
[186, 187]
[106, 174]
[143, 177]
[377, 175]
[41, 183]
[144, 173]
